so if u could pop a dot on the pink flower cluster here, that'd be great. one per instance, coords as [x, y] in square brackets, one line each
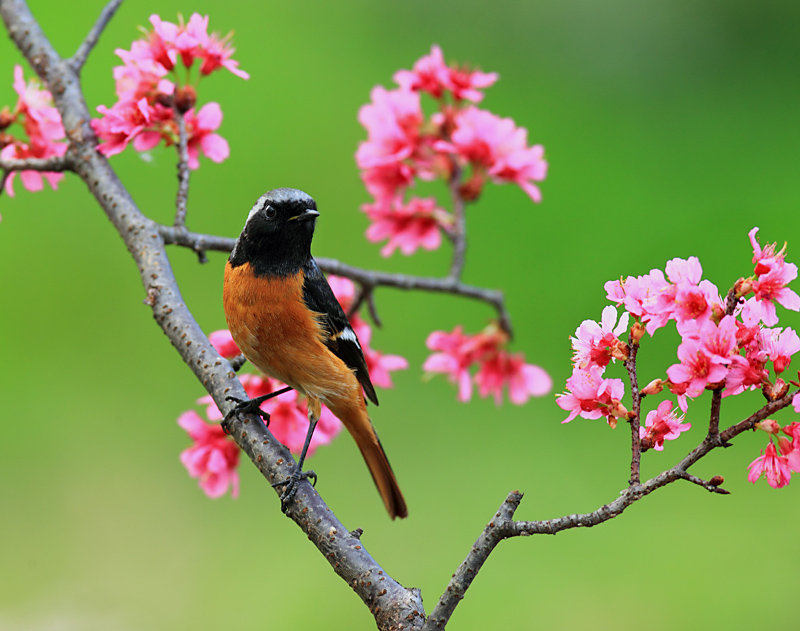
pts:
[777, 463]
[41, 123]
[214, 457]
[457, 353]
[145, 111]
[403, 144]
[723, 347]
[594, 346]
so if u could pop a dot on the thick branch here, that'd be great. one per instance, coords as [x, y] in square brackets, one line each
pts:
[79, 58]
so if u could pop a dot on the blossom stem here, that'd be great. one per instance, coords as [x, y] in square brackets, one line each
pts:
[713, 422]
[635, 421]
[182, 197]
[459, 229]
[81, 55]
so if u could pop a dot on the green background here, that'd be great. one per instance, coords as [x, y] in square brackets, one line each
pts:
[671, 129]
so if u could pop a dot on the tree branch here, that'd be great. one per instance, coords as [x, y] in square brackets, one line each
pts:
[79, 58]
[55, 164]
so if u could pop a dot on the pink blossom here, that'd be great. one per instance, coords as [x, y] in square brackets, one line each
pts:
[780, 345]
[392, 154]
[697, 368]
[120, 124]
[212, 458]
[499, 147]
[746, 372]
[591, 396]
[140, 77]
[453, 359]
[719, 341]
[796, 402]
[216, 53]
[773, 274]
[750, 326]
[523, 380]
[638, 293]
[662, 424]
[774, 466]
[597, 343]
[407, 226]
[431, 75]
[33, 180]
[466, 83]
[200, 128]
[40, 119]
[223, 341]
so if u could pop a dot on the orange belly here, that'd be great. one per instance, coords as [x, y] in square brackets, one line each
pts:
[280, 336]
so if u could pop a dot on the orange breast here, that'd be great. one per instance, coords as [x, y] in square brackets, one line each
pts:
[280, 336]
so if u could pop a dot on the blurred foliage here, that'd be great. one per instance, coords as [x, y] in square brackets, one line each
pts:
[671, 130]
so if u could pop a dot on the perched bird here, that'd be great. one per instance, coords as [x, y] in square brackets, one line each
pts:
[283, 315]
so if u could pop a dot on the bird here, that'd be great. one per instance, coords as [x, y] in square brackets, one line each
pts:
[287, 322]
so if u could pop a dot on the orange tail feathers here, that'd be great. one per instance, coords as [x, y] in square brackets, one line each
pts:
[360, 427]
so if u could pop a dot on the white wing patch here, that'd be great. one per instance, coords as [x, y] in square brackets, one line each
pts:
[349, 334]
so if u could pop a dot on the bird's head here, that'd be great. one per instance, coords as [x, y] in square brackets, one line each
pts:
[276, 238]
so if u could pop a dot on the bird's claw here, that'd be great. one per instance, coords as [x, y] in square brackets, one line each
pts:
[249, 406]
[290, 485]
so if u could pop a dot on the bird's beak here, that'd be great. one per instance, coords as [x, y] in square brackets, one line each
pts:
[305, 215]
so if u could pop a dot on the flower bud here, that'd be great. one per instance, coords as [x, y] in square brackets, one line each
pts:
[780, 389]
[743, 286]
[471, 189]
[654, 387]
[784, 445]
[717, 480]
[185, 98]
[637, 332]
[769, 426]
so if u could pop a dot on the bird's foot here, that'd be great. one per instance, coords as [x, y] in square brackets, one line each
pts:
[250, 406]
[290, 485]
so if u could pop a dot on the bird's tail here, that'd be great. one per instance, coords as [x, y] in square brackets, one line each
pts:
[360, 427]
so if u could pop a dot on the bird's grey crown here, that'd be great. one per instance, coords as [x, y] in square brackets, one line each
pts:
[282, 196]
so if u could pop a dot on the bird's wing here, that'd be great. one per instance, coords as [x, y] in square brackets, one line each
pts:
[340, 337]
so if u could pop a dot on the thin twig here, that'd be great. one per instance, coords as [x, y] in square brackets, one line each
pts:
[79, 58]
[459, 230]
[55, 164]
[182, 197]
[635, 421]
[3, 179]
[713, 420]
[708, 486]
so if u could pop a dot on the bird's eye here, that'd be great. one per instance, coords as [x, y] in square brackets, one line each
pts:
[271, 212]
